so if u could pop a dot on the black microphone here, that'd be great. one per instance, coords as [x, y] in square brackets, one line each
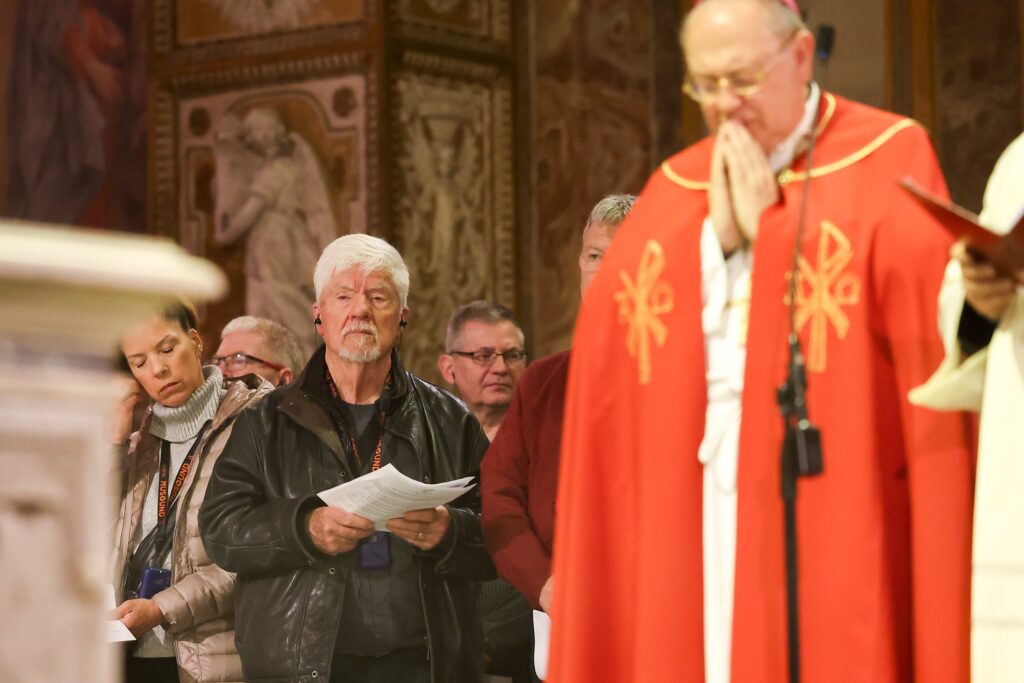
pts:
[825, 42]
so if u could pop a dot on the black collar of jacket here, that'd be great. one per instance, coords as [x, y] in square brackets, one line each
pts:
[307, 400]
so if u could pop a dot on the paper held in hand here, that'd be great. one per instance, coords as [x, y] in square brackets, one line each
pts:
[387, 493]
[116, 631]
[1004, 251]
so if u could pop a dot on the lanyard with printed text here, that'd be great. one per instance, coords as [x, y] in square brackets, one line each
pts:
[351, 438]
[164, 498]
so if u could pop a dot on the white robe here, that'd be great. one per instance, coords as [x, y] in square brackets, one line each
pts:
[991, 382]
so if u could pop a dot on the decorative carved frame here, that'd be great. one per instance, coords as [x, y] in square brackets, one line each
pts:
[167, 53]
[494, 33]
[424, 343]
[164, 171]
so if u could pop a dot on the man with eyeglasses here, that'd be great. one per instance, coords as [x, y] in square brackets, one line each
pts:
[322, 593]
[670, 541]
[261, 347]
[484, 359]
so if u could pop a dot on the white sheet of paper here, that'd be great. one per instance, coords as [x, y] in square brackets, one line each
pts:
[387, 493]
[541, 636]
[116, 631]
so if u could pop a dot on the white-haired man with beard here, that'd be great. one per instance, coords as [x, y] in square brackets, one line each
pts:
[320, 593]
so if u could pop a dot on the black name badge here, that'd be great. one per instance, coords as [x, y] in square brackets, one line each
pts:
[375, 551]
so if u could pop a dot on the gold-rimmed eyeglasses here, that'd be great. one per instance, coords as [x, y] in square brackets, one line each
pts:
[703, 89]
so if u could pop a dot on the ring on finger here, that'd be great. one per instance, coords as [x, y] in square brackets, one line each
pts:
[419, 536]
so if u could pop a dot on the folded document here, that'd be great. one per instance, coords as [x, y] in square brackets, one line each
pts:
[387, 493]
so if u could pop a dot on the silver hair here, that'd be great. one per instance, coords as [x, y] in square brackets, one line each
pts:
[279, 344]
[781, 20]
[479, 311]
[372, 254]
[611, 210]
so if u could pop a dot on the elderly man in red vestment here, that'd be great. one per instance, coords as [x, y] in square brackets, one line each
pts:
[669, 546]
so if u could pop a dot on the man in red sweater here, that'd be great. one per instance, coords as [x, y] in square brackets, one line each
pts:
[519, 475]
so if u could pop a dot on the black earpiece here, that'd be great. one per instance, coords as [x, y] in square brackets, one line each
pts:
[316, 320]
[403, 323]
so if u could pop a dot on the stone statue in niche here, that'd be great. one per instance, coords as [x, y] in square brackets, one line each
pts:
[270, 191]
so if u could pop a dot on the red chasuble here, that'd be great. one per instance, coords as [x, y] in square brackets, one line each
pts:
[883, 532]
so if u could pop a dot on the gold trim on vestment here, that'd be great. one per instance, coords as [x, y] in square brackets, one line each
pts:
[788, 175]
[680, 180]
[830, 109]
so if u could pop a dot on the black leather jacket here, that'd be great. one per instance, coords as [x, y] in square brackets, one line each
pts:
[288, 596]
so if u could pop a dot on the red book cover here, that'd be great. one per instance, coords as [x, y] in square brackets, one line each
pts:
[1006, 252]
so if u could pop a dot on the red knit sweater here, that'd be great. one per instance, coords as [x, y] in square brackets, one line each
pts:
[519, 477]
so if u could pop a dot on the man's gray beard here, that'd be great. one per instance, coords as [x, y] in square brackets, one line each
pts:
[366, 353]
[361, 355]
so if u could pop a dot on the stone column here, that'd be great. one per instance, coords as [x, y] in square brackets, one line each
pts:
[65, 297]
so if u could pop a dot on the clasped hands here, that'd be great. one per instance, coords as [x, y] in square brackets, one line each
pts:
[742, 186]
[335, 531]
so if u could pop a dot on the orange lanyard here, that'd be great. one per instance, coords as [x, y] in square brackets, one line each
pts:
[166, 498]
[351, 438]
[376, 452]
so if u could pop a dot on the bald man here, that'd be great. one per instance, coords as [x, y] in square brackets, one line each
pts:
[669, 559]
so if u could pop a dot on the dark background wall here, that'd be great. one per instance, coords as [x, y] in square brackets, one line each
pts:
[955, 66]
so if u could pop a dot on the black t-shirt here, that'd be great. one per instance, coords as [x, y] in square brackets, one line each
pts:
[382, 610]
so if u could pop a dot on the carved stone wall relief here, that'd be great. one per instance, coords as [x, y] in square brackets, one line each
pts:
[189, 32]
[480, 19]
[453, 208]
[200, 21]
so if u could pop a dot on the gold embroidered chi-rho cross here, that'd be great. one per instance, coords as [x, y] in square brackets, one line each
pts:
[641, 302]
[823, 290]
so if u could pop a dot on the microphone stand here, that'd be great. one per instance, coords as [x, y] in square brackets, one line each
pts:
[801, 456]
[801, 445]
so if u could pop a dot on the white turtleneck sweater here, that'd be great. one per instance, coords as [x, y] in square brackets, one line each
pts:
[178, 426]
